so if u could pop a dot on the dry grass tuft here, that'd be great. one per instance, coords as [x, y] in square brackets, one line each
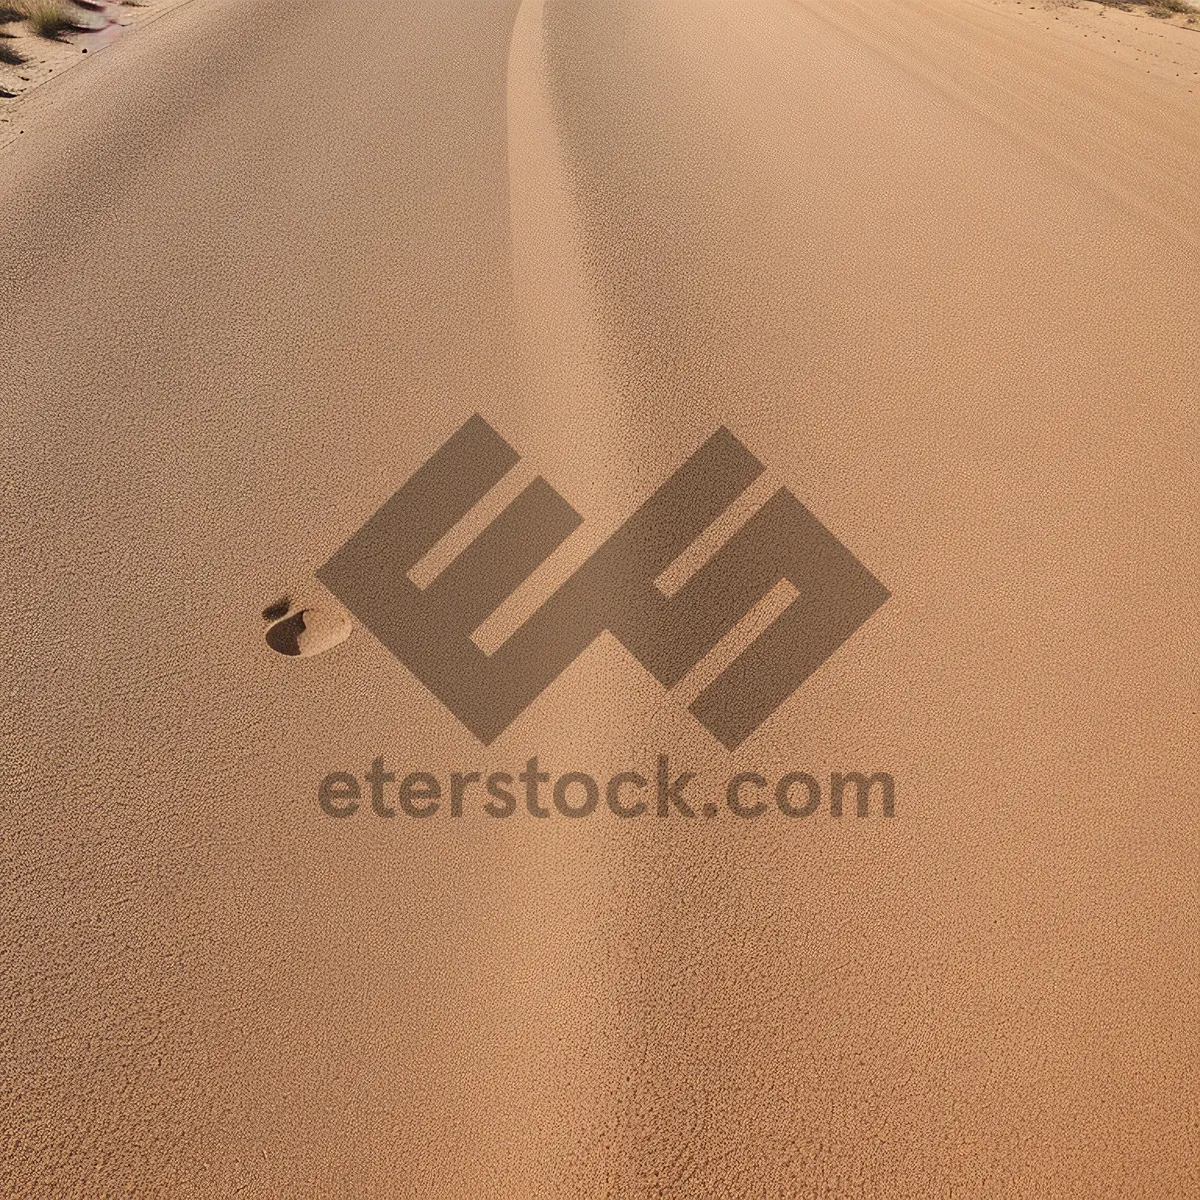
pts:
[47, 18]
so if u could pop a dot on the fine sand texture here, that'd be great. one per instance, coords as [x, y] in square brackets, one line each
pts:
[936, 263]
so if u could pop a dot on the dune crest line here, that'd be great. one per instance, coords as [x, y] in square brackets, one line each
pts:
[558, 328]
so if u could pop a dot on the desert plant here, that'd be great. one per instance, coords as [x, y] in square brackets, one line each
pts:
[47, 18]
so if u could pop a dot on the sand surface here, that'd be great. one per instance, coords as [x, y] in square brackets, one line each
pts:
[937, 264]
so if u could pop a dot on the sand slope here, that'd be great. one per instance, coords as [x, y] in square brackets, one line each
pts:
[936, 265]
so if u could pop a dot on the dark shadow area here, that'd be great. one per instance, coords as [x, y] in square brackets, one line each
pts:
[279, 609]
[284, 636]
[9, 54]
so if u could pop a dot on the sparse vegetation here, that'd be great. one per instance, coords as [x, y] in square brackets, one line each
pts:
[1156, 8]
[47, 18]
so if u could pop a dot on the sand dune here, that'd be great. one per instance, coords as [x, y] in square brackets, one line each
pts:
[934, 263]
